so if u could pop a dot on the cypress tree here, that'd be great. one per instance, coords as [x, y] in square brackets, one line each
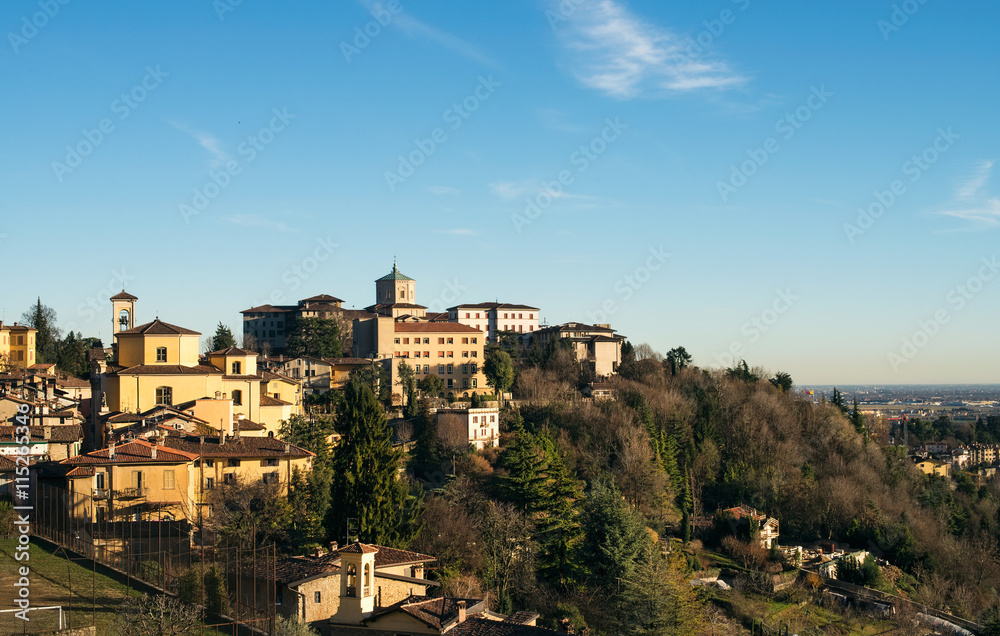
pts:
[558, 531]
[365, 485]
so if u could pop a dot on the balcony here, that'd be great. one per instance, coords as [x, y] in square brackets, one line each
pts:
[130, 493]
[100, 493]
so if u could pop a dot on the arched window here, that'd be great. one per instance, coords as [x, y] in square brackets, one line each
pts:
[352, 580]
[368, 579]
[123, 319]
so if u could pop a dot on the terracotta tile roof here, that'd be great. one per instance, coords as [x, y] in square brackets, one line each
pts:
[167, 369]
[7, 465]
[124, 418]
[242, 447]
[358, 548]
[267, 309]
[60, 433]
[434, 327]
[479, 626]
[39, 366]
[72, 383]
[322, 298]
[232, 351]
[271, 375]
[436, 316]
[158, 328]
[292, 569]
[247, 425]
[433, 612]
[507, 306]
[267, 400]
[81, 471]
[123, 295]
[135, 451]
[387, 557]
[380, 306]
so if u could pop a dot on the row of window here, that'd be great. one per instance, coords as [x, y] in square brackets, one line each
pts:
[18, 341]
[440, 354]
[406, 341]
[449, 369]
[468, 316]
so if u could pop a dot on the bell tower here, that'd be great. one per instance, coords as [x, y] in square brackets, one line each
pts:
[357, 582]
[395, 287]
[123, 312]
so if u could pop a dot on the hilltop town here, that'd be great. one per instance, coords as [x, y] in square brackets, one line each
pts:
[476, 471]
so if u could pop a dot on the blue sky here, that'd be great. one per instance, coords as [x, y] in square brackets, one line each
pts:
[696, 170]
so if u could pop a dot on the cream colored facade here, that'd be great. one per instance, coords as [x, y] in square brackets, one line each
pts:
[479, 428]
[158, 364]
[17, 346]
[521, 321]
[597, 346]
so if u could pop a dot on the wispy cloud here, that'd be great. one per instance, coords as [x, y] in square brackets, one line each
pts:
[255, 221]
[972, 203]
[444, 191]
[514, 189]
[530, 188]
[415, 28]
[217, 154]
[459, 231]
[618, 53]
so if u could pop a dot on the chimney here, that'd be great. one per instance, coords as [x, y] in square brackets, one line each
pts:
[111, 450]
[48, 431]
[153, 443]
[288, 447]
[333, 546]
[319, 552]
[222, 439]
[461, 612]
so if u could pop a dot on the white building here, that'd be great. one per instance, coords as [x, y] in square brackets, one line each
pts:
[494, 318]
[478, 427]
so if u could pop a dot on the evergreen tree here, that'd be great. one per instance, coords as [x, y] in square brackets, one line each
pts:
[223, 338]
[838, 401]
[499, 370]
[43, 318]
[858, 420]
[524, 485]
[613, 539]
[71, 355]
[365, 485]
[558, 532]
[316, 337]
[677, 359]
[656, 598]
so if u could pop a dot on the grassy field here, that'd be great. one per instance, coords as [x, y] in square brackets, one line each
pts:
[58, 581]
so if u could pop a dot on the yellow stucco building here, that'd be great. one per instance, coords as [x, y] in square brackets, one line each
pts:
[158, 364]
[17, 346]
